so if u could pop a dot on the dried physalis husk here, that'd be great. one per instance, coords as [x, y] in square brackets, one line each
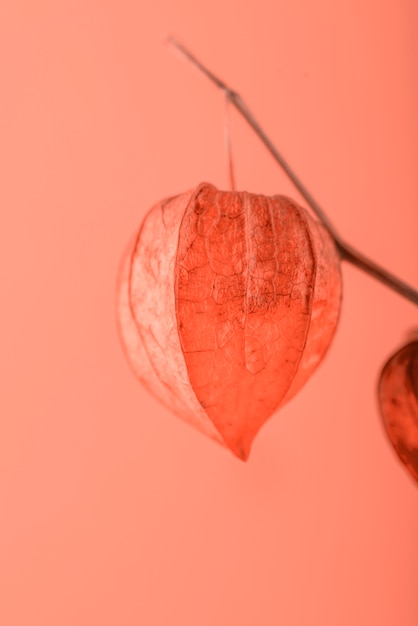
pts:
[398, 399]
[228, 301]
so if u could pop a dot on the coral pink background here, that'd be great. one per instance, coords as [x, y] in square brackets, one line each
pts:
[112, 510]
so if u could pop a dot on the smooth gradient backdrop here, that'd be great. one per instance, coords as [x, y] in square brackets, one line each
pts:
[112, 511]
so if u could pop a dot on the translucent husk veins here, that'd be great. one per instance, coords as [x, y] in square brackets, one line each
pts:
[228, 302]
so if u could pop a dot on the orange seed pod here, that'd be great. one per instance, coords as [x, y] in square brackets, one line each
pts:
[228, 301]
[398, 399]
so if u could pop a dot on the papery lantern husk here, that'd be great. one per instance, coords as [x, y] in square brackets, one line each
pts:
[398, 400]
[228, 301]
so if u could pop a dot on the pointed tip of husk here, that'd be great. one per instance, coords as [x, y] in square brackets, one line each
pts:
[240, 450]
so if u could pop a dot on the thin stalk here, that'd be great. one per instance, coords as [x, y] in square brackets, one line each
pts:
[347, 252]
[230, 160]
